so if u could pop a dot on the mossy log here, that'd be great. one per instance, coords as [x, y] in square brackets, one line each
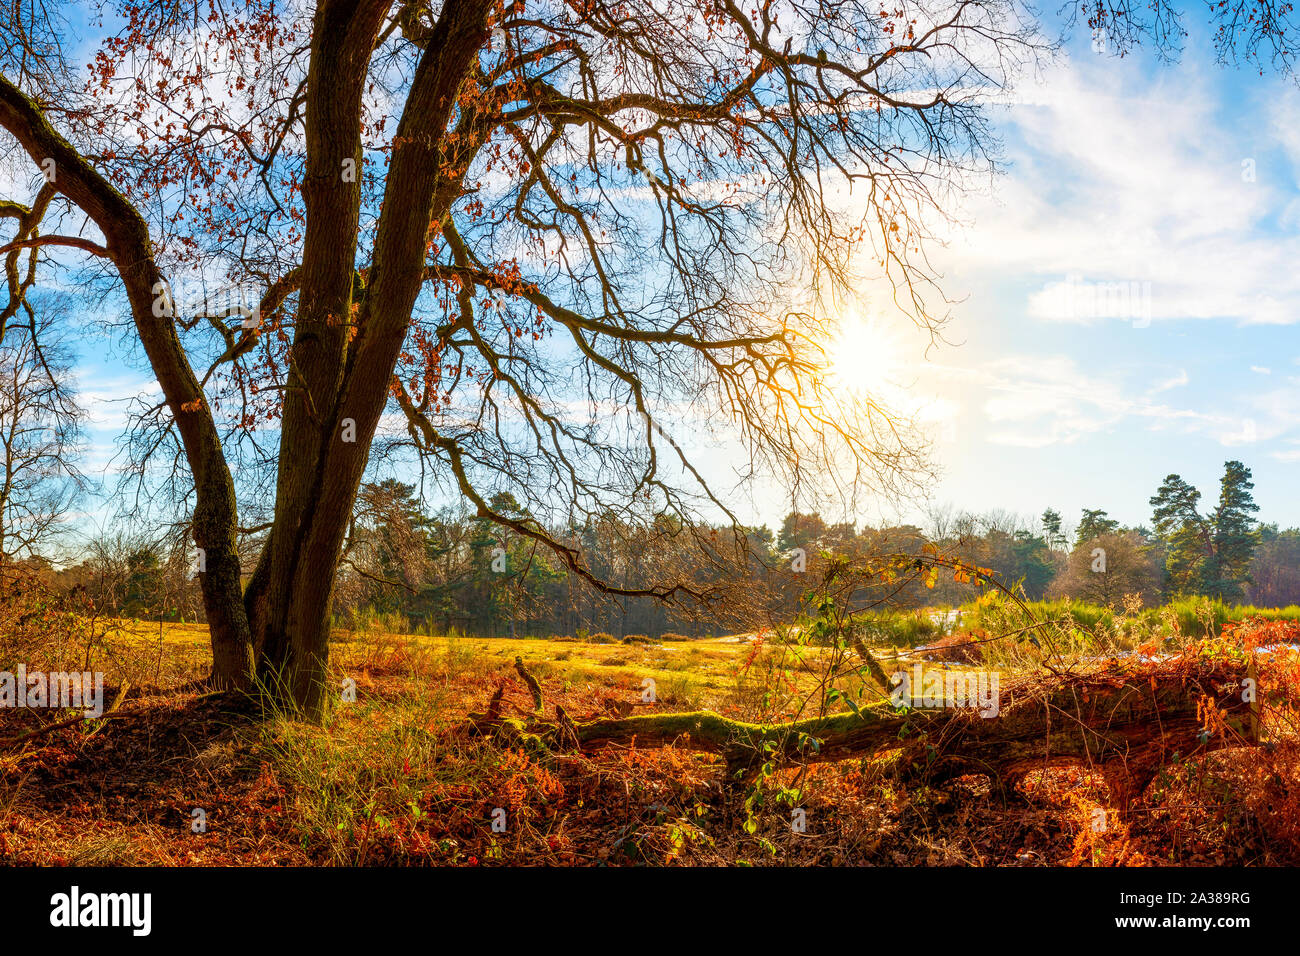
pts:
[534, 687]
[1128, 723]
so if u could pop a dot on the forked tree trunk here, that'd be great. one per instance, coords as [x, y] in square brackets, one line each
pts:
[288, 600]
[347, 340]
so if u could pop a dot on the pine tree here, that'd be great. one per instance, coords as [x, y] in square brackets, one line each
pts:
[1052, 532]
[1094, 524]
[1211, 554]
[1235, 534]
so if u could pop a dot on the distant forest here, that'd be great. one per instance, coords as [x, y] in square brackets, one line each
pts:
[407, 569]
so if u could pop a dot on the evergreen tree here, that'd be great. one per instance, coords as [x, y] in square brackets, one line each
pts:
[1052, 532]
[801, 531]
[1034, 567]
[1094, 524]
[1186, 534]
[1207, 554]
[1235, 535]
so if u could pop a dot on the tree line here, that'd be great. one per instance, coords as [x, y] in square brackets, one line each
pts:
[407, 567]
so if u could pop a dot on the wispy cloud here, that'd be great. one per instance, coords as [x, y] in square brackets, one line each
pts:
[1035, 401]
[1123, 181]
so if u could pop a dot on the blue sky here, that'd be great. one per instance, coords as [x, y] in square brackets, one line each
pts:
[1180, 181]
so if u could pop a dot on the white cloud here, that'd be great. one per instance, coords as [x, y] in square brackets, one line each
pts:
[1035, 401]
[1120, 187]
[1176, 381]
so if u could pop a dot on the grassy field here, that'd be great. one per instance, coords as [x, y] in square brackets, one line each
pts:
[393, 777]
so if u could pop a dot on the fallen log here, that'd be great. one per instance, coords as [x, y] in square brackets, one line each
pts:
[1126, 721]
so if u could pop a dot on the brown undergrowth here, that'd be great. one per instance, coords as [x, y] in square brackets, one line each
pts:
[392, 778]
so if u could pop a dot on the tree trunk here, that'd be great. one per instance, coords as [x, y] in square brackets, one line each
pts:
[128, 245]
[346, 339]
[289, 609]
[344, 353]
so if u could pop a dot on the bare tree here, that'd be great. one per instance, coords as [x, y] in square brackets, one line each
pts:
[40, 430]
[549, 239]
[1106, 569]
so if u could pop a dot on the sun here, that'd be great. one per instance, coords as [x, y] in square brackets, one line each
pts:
[864, 357]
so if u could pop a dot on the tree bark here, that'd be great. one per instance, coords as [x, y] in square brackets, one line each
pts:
[291, 662]
[344, 355]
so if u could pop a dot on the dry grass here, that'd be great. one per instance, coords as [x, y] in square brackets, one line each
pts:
[394, 779]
